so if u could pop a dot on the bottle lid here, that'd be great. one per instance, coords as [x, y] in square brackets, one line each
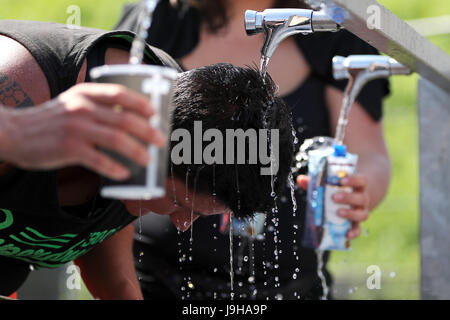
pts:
[340, 150]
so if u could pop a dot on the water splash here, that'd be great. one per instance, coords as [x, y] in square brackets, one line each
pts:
[140, 231]
[294, 135]
[186, 196]
[181, 259]
[145, 22]
[231, 256]
[292, 186]
[319, 255]
[264, 66]
[343, 118]
[252, 278]
[301, 158]
[276, 241]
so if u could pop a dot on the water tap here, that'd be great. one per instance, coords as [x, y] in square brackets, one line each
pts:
[278, 24]
[361, 69]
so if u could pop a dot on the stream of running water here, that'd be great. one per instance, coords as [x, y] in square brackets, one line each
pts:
[139, 43]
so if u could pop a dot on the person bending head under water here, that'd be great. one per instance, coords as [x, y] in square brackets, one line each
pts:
[50, 174]
[221, 97]
[225, 97]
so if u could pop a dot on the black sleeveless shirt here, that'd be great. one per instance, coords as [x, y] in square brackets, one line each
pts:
[34, 229]
[176, 31]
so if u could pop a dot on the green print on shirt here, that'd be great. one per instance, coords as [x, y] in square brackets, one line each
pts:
[8, 219]
[41, 256]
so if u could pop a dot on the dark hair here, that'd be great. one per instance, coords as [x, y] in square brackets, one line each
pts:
[215, 12]
[223, 96]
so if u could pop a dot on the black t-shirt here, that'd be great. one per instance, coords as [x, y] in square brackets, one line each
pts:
[34, 229]
[176, 30]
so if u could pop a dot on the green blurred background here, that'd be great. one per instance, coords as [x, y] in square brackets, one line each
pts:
[390, 238]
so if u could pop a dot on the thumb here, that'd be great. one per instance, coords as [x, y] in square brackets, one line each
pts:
[303, 181]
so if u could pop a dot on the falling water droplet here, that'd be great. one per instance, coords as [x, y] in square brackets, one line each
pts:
[319, 255]
[294, 201]
[264, 66]
[231, 256]
[145, 21]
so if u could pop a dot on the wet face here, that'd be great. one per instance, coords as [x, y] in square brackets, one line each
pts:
[181, 204]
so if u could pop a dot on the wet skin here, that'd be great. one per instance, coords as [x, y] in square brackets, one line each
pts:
[182, 207]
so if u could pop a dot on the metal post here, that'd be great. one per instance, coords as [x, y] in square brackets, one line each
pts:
[434, 138]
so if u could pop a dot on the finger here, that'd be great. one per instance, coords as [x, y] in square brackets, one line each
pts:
[303, 181]
[183, 220]
[132, 123]
[115, 140]
[355, 199]
[357, 215]
[92, 159]
[355, 231]
[114, 94]
[355, 181]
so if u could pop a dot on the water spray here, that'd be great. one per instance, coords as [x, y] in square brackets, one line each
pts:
[361, 69]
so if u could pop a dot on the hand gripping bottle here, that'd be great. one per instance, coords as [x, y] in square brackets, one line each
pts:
[325, 229]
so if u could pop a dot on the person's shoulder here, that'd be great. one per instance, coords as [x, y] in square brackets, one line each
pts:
[165, 58]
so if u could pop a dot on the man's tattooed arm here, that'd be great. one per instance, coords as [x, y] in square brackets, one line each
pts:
[12, 94]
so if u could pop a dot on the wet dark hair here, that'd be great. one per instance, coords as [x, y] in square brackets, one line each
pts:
[215, 12]
[224, 96]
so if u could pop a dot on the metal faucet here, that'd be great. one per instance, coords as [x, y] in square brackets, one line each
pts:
[361, 69]
[278, 24]
[352, 66]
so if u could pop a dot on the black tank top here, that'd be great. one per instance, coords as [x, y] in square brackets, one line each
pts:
[176, 31]
[34, 229]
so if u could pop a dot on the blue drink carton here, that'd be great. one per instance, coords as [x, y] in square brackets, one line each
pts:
[324, 229]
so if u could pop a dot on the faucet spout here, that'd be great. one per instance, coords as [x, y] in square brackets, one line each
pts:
[278, 24]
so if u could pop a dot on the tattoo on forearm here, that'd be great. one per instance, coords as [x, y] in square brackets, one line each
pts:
[12, 94]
